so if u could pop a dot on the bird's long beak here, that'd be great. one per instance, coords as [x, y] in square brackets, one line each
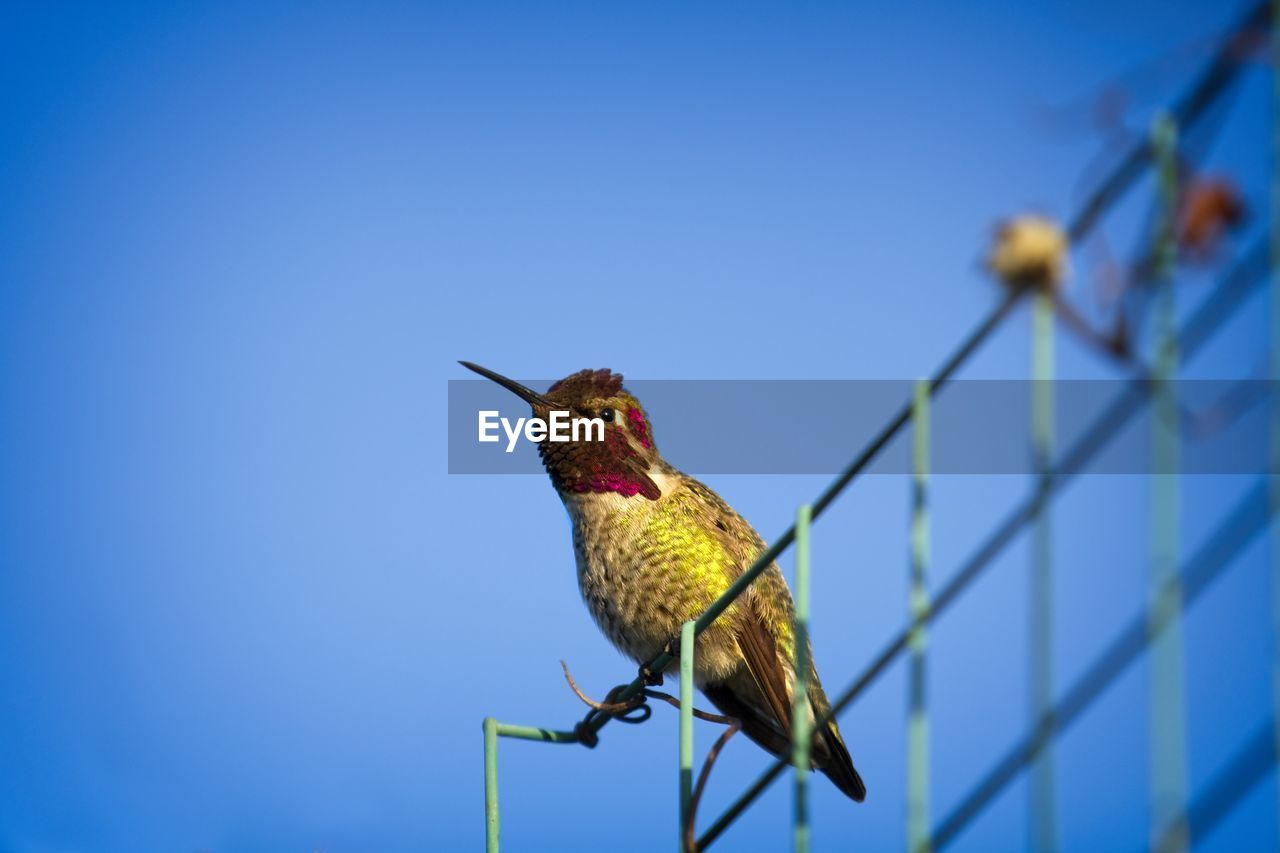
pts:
[526, 394]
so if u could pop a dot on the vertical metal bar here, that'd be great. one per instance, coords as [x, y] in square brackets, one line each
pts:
[1168, 768]
[1043, 798]
[918, 719]
[491, 825]
[687, 640]
[1274, 478]
[800, 720]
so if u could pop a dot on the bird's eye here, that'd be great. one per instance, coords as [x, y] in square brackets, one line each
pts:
[607, 415]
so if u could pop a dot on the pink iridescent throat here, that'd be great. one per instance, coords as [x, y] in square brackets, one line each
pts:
[609, 483]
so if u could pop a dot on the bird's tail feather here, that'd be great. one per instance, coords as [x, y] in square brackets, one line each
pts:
[839, 766]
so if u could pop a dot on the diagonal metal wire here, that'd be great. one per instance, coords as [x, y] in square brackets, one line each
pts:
[1245, 521]
[1242, 279]
[1247, 767]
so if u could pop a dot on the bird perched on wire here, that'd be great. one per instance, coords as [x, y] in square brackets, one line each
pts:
[655, 548]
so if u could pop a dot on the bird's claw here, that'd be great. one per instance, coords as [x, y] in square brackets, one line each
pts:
[649, 677]
[654, 679]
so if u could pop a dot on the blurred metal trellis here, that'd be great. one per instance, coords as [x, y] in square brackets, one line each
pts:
[1245, 521]
[1175, 821]
[918, 714]
[688, 639]
[1167, 725]
[1274, 459]
[1223, 302]
[1042, 801]
[800, 722]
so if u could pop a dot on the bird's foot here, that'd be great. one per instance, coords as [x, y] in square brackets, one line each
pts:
[654, 679]
[649, 677]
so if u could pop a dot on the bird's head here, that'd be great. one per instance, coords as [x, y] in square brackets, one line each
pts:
[613, 453]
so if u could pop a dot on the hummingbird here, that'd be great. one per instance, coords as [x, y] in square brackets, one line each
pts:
[654, 548]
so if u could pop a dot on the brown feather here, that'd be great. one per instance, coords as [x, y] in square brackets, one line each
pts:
[754, 726]
[761, 653]
[839, 765]
[829, 752]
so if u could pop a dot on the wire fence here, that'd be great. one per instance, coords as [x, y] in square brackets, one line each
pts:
[1178, 821]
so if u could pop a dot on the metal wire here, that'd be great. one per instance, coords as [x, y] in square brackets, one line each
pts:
[917, 707]
[1043, 801]
[687, 642]
[1274, 365]
[1166, 708]
[1247, 767]
[800, 719]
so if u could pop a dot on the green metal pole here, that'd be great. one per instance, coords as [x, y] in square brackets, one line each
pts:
[687, 640]
[800, 721]
[1168, 768]
[918, 719]
[491, 824]
[1274, 478]
[492, 731]
[532, 733]
[1043, 795]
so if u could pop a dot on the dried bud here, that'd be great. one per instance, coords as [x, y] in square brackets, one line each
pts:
[1029, 251]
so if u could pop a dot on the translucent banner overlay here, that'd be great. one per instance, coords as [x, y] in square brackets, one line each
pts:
[718, 426]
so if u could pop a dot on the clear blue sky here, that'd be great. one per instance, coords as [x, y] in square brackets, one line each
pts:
[242, 605]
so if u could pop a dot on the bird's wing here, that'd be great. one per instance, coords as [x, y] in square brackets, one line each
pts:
[769, 665]
[761, 652]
